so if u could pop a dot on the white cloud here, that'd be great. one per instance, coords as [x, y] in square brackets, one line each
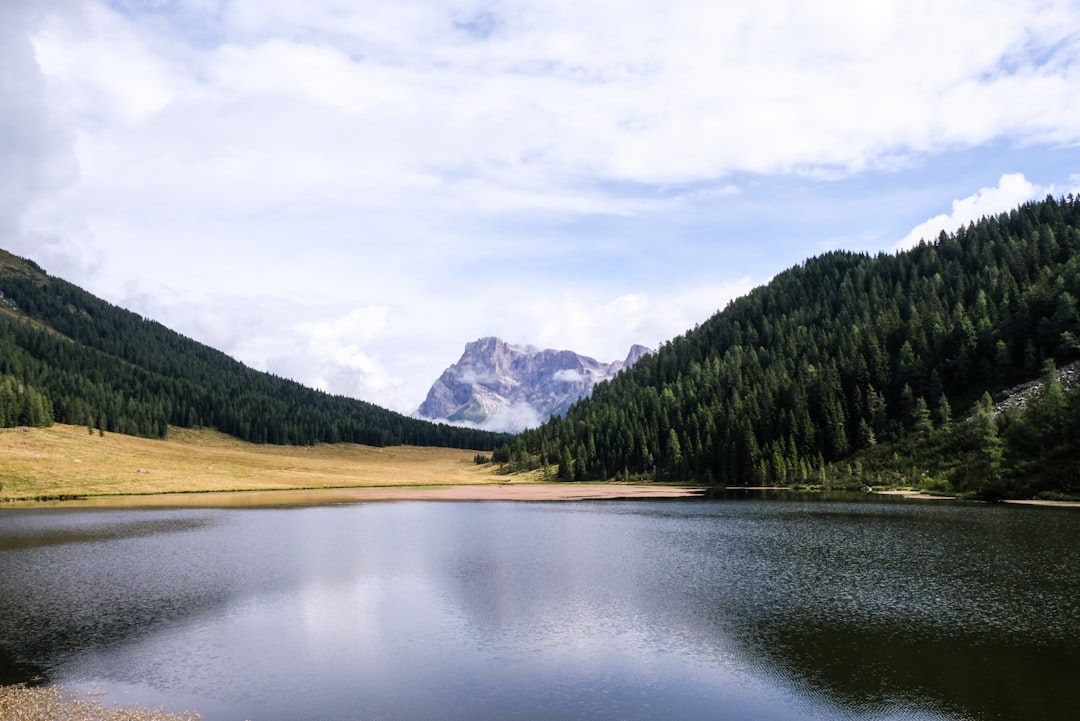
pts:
[116, 73]
[331, 355]
[1012, 190]
[512, 418]
[388, 109]
[359, 324]
[348, 371]
[375, 103]
[568, 375]
[1074, 185]
[36, 135]
[606, 329]
[346, 193]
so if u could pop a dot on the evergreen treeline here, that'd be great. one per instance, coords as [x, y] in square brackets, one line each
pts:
[1027, 451]
[22, 405]
[98, 365]
[1040, 448]
[834, 356]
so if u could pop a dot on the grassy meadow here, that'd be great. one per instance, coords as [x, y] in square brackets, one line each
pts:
[68, 461]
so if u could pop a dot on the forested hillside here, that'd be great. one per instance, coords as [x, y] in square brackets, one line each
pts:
[69, 356]
[844, 354]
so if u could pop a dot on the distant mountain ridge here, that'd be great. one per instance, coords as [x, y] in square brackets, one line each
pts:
[502, 386]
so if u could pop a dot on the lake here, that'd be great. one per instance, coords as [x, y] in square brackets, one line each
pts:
[680, 609]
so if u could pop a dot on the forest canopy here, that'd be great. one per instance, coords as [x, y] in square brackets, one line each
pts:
[841, 354]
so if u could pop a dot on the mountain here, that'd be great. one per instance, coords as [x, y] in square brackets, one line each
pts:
[511, 387]
[68, 356]
[848, 360]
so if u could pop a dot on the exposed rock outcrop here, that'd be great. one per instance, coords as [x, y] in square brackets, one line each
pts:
[1019, 396]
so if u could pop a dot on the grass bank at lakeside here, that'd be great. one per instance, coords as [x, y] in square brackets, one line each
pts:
[203, 467]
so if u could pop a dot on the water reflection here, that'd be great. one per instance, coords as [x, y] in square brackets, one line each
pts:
[611, 610]
[74, 579]
[865, 669]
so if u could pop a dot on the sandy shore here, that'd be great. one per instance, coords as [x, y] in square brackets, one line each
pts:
[1060, 504]
[915, 494]
[929, 497]
[330, 496]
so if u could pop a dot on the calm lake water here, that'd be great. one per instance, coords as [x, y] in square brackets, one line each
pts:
[730, 609]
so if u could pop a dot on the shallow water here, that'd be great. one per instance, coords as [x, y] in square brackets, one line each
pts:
[747, 609]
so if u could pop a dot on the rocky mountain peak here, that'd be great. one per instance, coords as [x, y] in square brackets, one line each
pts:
[635, 354]
[502, 386]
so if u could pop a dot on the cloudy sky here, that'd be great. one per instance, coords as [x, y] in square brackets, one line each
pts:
[345, 192]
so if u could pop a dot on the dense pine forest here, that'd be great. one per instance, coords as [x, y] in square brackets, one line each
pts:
[68, 356]
[849, 368]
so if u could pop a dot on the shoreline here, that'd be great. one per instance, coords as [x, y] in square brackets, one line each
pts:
[64, 466]
[1039, 502]
[528, 491]
[560, 491]
[919, 495]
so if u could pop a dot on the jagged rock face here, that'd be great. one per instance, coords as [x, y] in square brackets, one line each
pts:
[509, 387]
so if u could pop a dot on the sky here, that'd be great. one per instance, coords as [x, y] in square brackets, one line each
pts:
[346, 192]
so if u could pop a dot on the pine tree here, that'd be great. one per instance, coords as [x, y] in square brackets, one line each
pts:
[944, 413]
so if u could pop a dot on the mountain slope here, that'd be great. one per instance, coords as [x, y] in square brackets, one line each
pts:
[105, 367]
[510, 387]
[835, 355]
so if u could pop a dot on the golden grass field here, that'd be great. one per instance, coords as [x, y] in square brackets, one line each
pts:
[204, 467]
[68, 461]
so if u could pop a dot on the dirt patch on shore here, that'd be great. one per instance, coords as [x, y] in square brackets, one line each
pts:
[1036, 502]
[528, 492]
[915, 494]
[1021, 502]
